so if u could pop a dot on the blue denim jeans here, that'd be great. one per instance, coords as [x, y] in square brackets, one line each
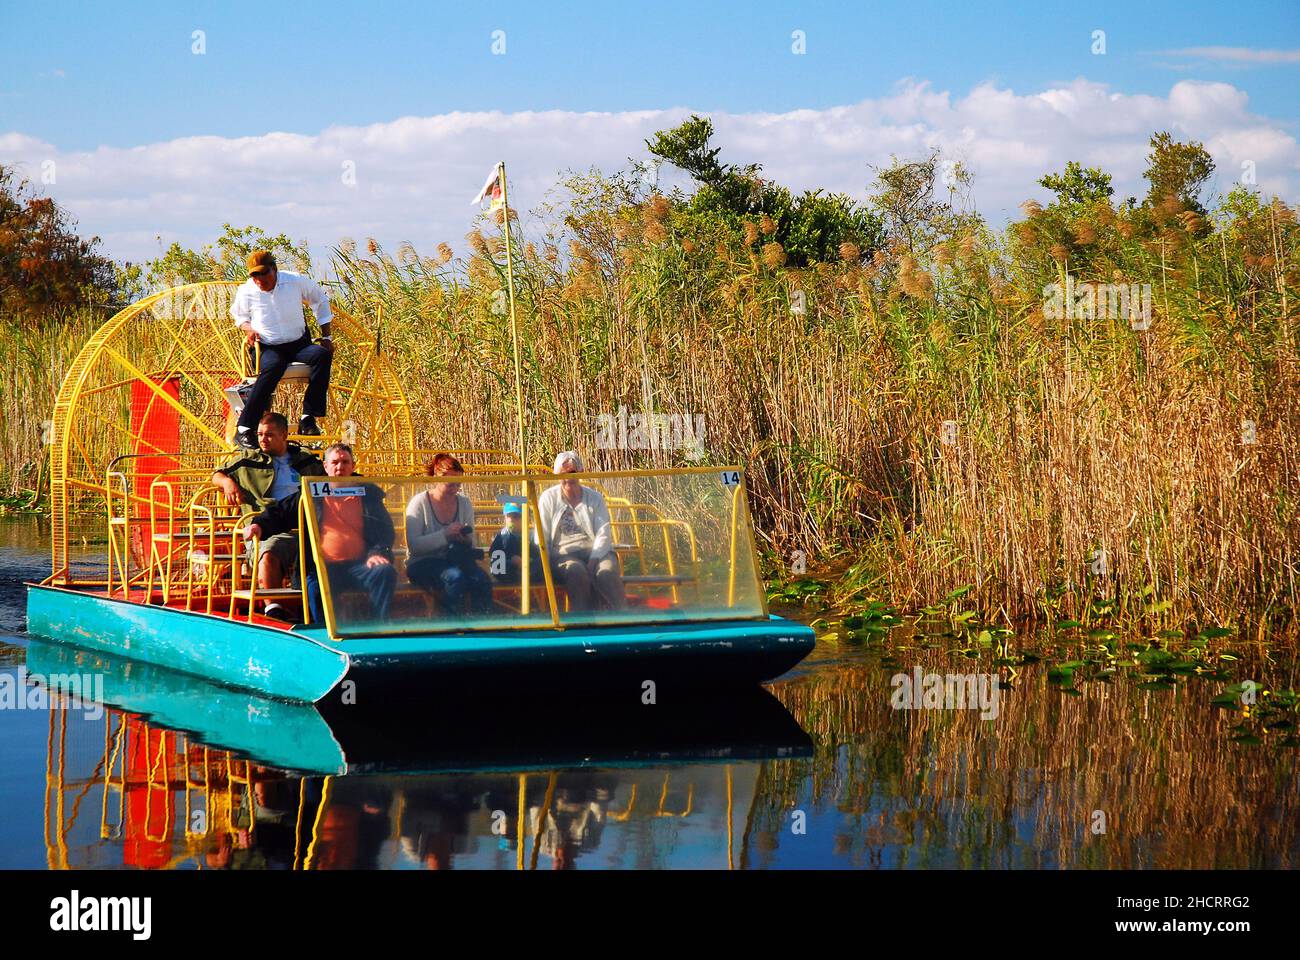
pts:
[275, 360]
[378, 582]
[452, 584]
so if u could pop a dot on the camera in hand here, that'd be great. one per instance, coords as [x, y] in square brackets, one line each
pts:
[460, 553]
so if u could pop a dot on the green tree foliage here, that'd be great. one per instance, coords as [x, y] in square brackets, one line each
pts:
[1078, 186]
[44, 265]
[225, 259]
[1177, 170]
[905, 199]
[1068, 228]
[809, 227]
[1082, 228]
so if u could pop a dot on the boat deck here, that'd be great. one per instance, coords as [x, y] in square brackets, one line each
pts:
[154, 598]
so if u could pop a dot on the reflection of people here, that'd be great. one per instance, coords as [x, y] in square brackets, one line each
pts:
[276, 810]
[260, 479]
[351, 831]
[268, 309]
[570, 827]
[260, 838]
[575, 521]
[356, 536]
[435, 822]
[575, 818]
[439, 536]
[507, 549]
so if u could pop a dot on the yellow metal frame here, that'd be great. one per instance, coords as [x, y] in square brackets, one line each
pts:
[302, 563]
[114, 756]
[120, 504]
[191, 787]
[189, 527]
[185, 335]
[747, 523]
[170, 768]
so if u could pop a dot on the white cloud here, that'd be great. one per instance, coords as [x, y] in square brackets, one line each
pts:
[1238, 54]
[415, 175]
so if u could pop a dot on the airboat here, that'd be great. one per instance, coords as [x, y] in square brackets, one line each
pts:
[147, 411]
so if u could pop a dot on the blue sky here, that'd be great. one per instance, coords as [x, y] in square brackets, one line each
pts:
[152, 142]
[128, 75]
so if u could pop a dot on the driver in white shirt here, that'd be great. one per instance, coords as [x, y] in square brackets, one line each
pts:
[268, 308]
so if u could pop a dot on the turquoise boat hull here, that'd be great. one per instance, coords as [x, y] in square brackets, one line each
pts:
[646, 662]
[273, 662]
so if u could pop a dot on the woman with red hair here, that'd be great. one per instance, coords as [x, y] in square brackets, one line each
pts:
[439, 537]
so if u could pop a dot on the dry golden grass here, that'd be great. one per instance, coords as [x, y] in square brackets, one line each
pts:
[832, 385]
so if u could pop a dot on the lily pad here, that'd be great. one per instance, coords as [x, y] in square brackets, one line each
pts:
[1213, 633]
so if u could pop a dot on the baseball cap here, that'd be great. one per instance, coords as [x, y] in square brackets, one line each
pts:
[259, 262]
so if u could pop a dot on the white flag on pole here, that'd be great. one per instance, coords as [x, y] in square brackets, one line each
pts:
[491, 189]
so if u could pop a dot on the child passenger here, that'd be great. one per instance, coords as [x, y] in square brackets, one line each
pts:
[504, 556]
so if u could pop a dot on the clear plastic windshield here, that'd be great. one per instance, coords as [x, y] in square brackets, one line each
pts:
[428, 555]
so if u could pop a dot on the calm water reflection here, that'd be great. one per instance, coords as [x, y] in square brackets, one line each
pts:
[195, 777]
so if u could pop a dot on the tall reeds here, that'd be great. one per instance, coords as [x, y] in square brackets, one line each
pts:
[919, 409]
[34, 355]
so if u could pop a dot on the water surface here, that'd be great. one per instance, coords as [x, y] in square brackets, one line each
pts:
[1110, 771]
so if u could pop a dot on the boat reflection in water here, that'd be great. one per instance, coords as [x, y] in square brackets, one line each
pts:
[183, 774]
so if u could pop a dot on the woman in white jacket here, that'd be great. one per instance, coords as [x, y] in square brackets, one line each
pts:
[575, 521]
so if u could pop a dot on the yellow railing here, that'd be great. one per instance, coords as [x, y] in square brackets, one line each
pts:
[129, 515]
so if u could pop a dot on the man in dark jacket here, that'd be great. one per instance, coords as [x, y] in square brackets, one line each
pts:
[261, 478]
[355, 541]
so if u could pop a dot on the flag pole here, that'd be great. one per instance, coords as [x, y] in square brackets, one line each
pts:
[525, 600]
[514, 325]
